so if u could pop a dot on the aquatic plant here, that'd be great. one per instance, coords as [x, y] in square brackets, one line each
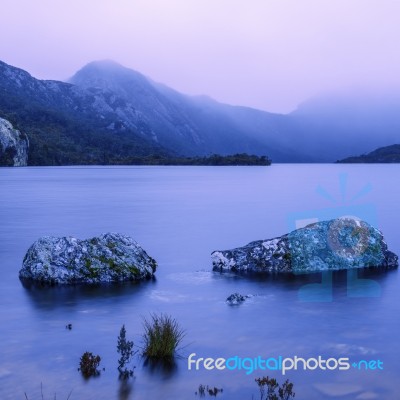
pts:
[89, 364]
[162, 335]
[42, 395]
[125, 349]
[210, 390]
[271, 390]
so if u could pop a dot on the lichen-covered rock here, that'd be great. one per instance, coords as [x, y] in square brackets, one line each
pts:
[111, 257]
[342, 243]
[13, 146]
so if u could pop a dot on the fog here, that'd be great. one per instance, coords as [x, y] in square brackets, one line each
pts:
[267, 54]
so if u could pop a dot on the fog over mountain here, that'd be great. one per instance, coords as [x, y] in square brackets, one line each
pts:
[191, 125]
[348, 122]
[107, 112]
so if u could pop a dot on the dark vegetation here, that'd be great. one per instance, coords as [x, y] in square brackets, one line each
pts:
[213, 160]
[125, 350]
[59, 139]
[388, 154]
[271, 390]
[211, 391]
[89, 364]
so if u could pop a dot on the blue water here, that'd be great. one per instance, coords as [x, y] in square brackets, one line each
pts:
[180, 215]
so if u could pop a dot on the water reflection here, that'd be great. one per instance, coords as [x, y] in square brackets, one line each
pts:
[366, 282]
[164, 368]
[125, 389]
[52, 297]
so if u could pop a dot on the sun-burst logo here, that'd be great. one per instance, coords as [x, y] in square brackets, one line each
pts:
[348, 212]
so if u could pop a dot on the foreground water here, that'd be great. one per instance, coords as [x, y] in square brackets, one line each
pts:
[180, 215]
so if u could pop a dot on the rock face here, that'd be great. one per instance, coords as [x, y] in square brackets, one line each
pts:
[13, 146]
[343, 243]
[110, 257]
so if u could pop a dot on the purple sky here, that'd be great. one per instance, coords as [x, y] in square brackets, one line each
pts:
[268, 54]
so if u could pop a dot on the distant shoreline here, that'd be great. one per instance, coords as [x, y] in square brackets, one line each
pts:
[382, 155]
[214, 160]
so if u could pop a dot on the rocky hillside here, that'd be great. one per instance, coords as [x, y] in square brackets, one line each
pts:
[67, 124]
[14, 146]
[388, 154]
[189, 125]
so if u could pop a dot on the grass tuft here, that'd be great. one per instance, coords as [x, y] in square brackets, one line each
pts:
[162, 335]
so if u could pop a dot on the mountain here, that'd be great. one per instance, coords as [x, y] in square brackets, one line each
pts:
[322, 129]
[109, 114]
[190, 125]
[69, 125]
[388, 154]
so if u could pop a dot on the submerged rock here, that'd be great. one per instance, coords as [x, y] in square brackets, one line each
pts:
[111, 257]
[342, 243]
[13, 146]
[236, 298]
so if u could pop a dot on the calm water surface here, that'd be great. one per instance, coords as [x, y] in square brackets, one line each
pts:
[180, 215]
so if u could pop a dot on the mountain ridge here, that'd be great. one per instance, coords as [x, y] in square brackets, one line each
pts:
[107, 113]
[192, 124]
[65, 124]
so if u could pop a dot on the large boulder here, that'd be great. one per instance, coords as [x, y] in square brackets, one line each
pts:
[13, 146]
[111, 257]
[342, 243]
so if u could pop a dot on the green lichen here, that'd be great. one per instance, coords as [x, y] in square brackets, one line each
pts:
[134, 270]
[103, 259]
[93, 273]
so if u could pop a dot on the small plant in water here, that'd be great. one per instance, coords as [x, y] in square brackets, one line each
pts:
[211, 391]
[162, 335]
[42, 395]
[270, 389]
[125, 349]
[89, 364]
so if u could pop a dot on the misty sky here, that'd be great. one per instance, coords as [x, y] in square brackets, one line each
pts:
[268, 54]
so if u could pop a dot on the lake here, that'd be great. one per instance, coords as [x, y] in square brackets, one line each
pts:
[180, 215]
